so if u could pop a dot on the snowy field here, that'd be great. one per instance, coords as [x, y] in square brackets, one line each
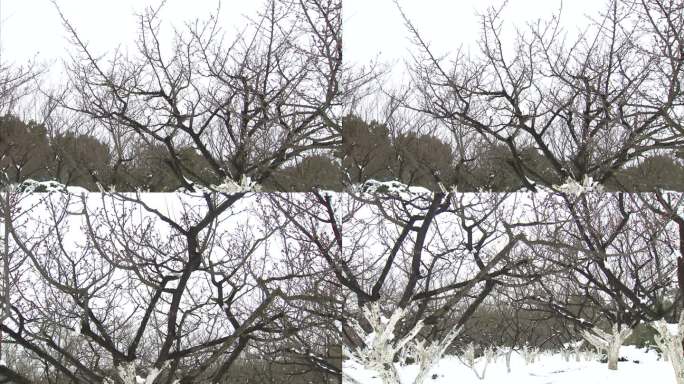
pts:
[548, 369]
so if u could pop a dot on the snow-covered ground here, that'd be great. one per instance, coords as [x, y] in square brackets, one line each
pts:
[548, 369]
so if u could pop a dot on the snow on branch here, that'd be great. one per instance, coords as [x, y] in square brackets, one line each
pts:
[669, 340]
[382, 345]
[609, 342]
[573, 187]
[472, 362]
[246, 184]
[128, 375]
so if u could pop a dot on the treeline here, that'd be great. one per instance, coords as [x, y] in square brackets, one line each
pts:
[369, 151]
[84, 160]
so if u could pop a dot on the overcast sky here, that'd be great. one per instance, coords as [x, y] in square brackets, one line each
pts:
[375, 29]
[32, 30]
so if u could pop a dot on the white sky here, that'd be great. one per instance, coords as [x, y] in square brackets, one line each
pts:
[32, 29]
[375, 29]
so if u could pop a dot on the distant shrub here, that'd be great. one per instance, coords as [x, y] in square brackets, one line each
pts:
[642, 336]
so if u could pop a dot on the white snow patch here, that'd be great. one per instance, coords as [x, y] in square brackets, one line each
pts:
[393, 187]
[549, 368]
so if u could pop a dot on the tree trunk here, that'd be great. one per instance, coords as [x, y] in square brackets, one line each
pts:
[508, 360]
[334, 357]
[609, 342]
[613, 356]
[5, 313]
[389, 375]
[670, 346]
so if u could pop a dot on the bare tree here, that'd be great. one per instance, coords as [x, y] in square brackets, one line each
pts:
[589, 106]
[15, 84]
[414, 267]
[12, 267]
[245, 106]
[176, 289]
[613, 263]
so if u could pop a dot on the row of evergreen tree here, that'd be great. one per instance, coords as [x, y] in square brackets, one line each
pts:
[369, 151]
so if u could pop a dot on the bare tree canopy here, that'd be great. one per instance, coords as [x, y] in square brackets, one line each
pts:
[202, 206]
[587, 106]
[112, 287]
[242, 107]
